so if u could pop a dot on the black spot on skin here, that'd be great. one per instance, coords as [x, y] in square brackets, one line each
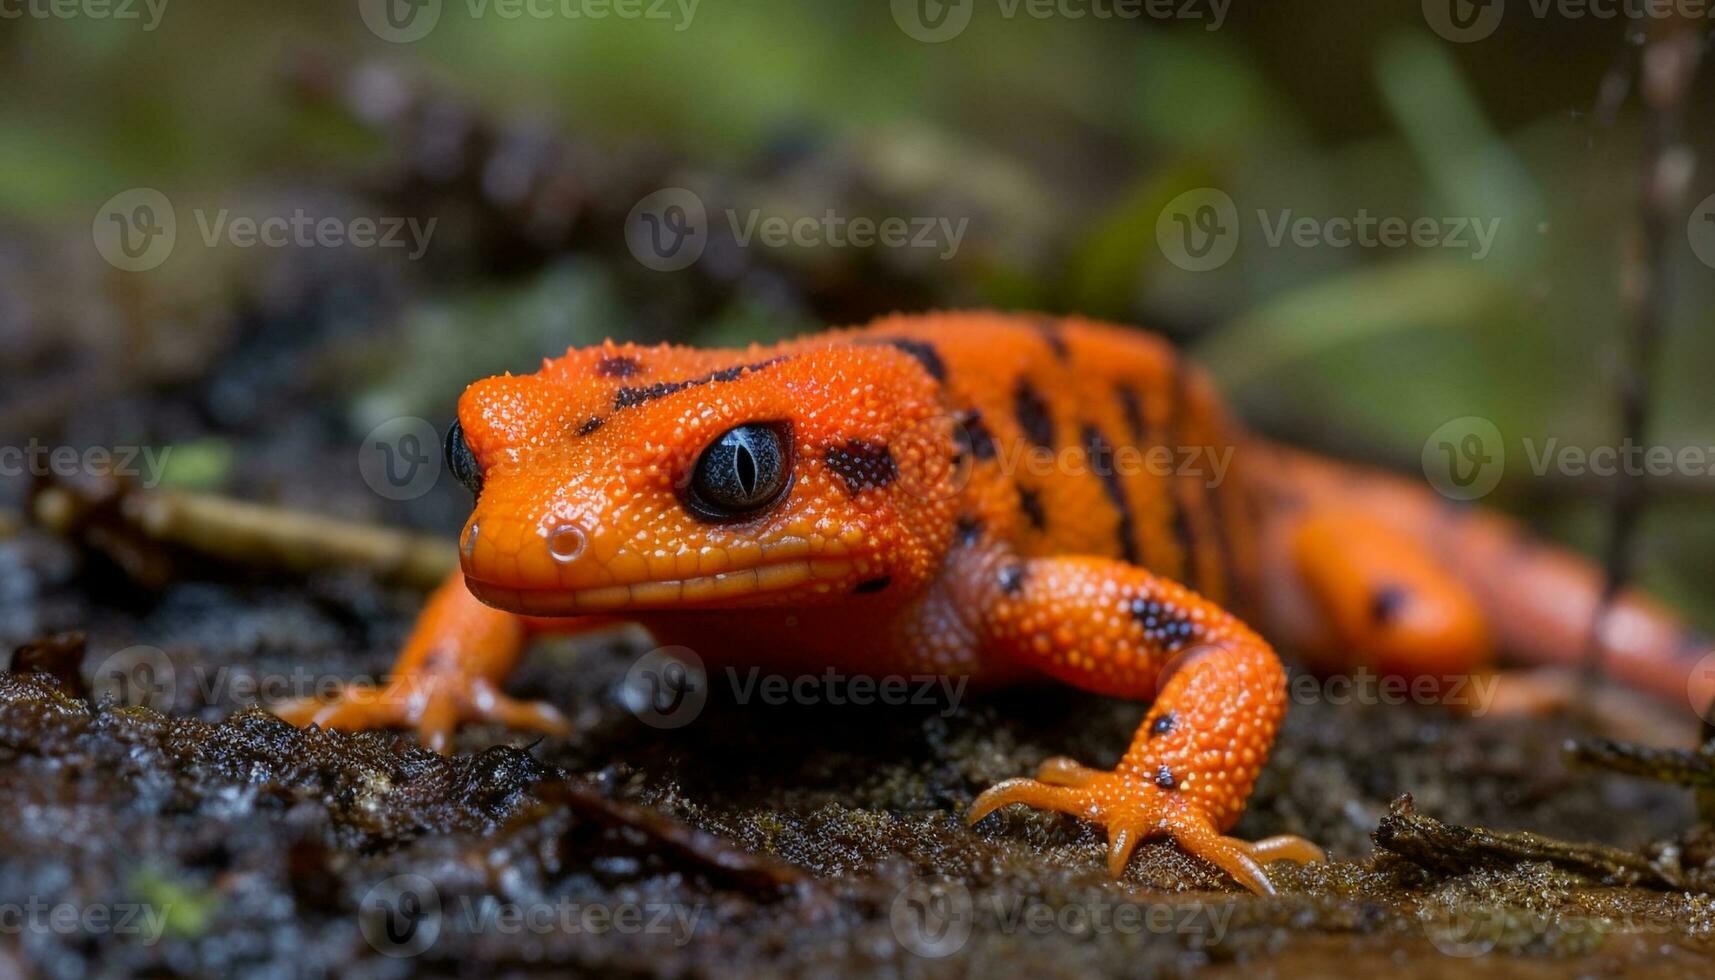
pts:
[1032, 414]
[590, 425]
[872, 585]
[924, 352]
[1183, 533]
[1162, 623]
[1131, 406]
[1386, 603]
[1012, 579]
[968, 531]
[1164, 778]
[1030, 502]
[862, 465]
[1050, 330]
[1220, 511]
[1101, 461]
[628, 397]
[972, 437]
[617, 367]
[1162, 724]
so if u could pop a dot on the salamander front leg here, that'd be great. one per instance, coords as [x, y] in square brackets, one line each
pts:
[1115, 629]
[449, 673]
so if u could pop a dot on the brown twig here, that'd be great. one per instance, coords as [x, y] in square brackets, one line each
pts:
[123, 522]
[675, 838]
[1429, 843]
[1666, 70]
[1682, 767]
[1693, 768]
[59, 656]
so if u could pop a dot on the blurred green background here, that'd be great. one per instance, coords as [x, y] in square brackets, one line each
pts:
[1060, 139]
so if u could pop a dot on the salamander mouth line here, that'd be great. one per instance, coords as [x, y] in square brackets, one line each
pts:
[714, 590]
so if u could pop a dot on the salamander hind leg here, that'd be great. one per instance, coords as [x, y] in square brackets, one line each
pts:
[1115, 629]
[1386, 599]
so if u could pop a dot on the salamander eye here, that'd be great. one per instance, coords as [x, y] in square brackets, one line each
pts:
[740, 473]
[461, 462]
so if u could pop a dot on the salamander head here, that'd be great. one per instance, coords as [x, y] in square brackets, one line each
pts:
[621, 478]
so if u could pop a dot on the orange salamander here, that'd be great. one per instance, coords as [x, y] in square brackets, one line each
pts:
[972, 494]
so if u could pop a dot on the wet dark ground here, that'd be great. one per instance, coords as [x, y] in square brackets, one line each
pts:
[830, 839]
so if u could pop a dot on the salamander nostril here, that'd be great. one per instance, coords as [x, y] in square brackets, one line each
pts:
[565, 542]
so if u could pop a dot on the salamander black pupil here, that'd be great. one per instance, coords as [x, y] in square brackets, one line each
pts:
[745, 464]
[743, 471]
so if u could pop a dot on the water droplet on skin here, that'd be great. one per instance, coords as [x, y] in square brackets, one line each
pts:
[468, 546]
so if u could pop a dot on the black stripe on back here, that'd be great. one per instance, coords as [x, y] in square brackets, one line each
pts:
[1101, 461]
[923, 351]
[1183, 532]
[1032, 414]
[1030, 502]
[1131, 407]
[628, 397]
[973, 437]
